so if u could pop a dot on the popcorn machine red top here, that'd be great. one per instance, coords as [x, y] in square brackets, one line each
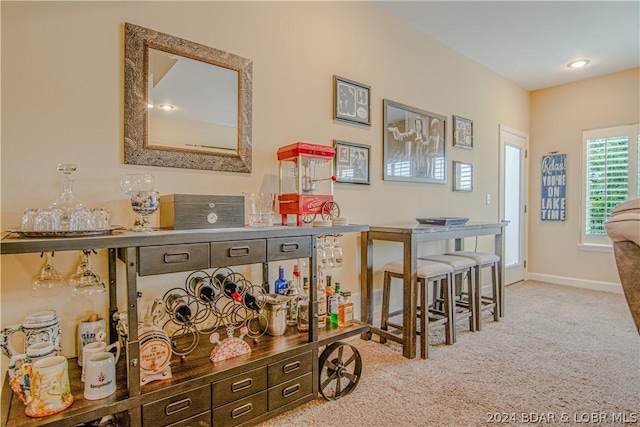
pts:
[306, 182]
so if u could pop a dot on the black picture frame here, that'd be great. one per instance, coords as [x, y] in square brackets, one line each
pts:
[352, 162]
[462, 132]
[351, 101]
[414, 144]
[462, 176]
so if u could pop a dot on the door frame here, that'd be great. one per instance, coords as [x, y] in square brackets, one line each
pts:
[524, 231]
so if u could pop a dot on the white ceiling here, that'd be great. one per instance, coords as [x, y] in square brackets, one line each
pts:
[530, 42]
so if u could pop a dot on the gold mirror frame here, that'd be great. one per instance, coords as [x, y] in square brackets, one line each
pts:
[137, 150]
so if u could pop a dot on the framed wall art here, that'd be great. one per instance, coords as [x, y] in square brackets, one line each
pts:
[462, 176]
[462, 132]
[352, 162]
[414, 145]
[351, 101]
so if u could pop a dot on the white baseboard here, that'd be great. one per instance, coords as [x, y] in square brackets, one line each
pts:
[615, 288]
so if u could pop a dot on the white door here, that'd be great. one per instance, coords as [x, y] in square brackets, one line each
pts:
[513, 201]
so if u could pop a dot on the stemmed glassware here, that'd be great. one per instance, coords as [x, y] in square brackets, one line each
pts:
[67, 203]
[84, 281]
[49, 276]
[328, 252]
[337, 253]
[144, 200]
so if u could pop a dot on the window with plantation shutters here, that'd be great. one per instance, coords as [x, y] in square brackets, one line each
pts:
[611, 176]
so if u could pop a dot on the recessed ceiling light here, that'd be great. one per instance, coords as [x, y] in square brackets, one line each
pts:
[579, 63]
[166, 106]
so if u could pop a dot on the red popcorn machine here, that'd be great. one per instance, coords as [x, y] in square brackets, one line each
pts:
[306, 182]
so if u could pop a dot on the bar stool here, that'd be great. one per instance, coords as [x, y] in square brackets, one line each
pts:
[463, 301]
[484, 302]
[427, 272]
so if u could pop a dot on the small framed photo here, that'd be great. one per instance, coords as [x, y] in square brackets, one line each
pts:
[351, 101]
[352, 162]
[462, 132]
[462, 176]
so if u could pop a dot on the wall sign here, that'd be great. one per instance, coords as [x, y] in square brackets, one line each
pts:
[554, 187]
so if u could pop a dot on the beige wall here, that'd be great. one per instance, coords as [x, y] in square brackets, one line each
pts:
[558, 117]
[62, 101]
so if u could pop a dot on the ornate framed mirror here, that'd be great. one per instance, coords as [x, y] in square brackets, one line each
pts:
[186, 105]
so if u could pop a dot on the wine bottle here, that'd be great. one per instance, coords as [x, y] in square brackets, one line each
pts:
[230, 289]
[181, 311]
[202, 289]
[251, 303]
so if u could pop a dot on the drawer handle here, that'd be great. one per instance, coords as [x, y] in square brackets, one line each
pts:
[290, 367]
[290, 247]
[241, 410]
[290, 391]
[175, 407]
[177, 257]
[241, 385]
[239, 251]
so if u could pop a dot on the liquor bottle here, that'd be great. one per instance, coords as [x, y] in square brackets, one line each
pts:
[281, 284]
[293, 293]
[303, 307]
[229, 288]
[345, 309]
[322, 301]
[334, 301]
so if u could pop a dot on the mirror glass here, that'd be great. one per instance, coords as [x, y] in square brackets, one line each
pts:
[186, 105]
[201, 115]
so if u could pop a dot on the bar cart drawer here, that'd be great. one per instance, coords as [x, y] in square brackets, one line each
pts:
[290, 391]
[238, 252]
[290, 368]
[201, 420]
[240, 386]
[172, 258]
[288, 248]
[241, 411]
[176, 408]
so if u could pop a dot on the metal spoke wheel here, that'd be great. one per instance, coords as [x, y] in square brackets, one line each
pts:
[308, 218]
[340, 369]
[330, 210]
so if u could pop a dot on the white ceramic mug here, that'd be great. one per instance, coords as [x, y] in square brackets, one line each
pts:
[34, 352]
[44, 386]
[38, 326]
[100, 375]
[98, 347]
[88, 332]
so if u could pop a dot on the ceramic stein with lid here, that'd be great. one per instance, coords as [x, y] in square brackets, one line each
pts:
[37, 327]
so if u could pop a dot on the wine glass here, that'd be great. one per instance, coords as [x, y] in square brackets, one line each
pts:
[49, 276]
[328, 252]
[144, 200]
[84, 281]
[337, 253]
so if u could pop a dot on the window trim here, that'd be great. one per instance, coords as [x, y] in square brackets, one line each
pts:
[595, 242]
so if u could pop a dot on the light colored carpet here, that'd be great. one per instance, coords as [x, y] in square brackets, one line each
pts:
[570, 354]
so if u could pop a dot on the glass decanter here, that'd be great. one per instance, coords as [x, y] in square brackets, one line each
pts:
[67, 202]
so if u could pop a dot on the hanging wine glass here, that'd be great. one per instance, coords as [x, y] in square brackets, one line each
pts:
[328, 252]
[144, 200]
[322, 256]
[84, 281]
[49, 276]
[337, 253]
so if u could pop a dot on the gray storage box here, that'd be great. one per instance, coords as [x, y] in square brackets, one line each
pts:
[189, 211]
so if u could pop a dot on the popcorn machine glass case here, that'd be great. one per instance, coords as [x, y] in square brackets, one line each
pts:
[306, 182]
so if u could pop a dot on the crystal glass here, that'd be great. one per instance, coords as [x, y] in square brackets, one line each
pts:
[144, 200]
[328, 252]
[337, 253]
[84, 281]
[67, 202]
[81, 219]
[49, 276]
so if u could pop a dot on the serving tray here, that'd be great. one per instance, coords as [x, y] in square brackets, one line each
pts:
[63, 233]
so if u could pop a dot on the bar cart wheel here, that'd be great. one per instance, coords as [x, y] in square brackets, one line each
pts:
[341, 366]
[330, 210]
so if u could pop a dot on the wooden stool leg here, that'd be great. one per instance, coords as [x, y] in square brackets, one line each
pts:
[449, 311]
[496, 292]
[424, 319]
[386, 290]
[472, 305]
[478, 298]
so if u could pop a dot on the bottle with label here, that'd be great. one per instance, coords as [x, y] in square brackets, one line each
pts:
[345, 309]
[328, 292]
[230, 289]
[303, 307]
[293, 293]
[322, 301]
[203, 290]
[281, 284]
[334, 302]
